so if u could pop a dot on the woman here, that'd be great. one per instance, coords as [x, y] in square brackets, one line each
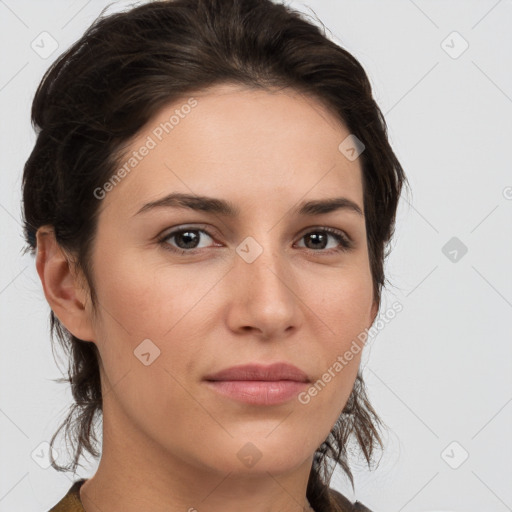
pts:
[209, 200]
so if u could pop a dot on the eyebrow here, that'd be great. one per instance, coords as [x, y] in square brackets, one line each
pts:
[228, 209]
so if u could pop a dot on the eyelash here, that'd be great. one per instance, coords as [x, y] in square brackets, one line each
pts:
[345, 241]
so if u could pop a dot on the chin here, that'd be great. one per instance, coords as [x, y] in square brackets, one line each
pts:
[275, 465]
[253, 455]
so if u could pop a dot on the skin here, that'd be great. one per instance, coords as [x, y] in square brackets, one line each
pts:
[170, 442]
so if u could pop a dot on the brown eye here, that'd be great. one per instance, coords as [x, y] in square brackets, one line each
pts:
[318, 240]
[186, 240]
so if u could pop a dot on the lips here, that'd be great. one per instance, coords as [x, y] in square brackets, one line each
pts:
[255, 372]
[259, 385]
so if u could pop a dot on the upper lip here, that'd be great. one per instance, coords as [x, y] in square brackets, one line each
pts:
[273, 372]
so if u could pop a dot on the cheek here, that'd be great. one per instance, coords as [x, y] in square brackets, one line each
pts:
[343, 305]
[141, 301]
[143, 341]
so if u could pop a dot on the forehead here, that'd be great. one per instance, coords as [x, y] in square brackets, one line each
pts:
[231, 139]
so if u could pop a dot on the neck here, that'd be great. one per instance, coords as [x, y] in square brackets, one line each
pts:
[134, 474]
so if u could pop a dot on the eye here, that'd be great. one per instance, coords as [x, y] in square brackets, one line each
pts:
[186, 239]
[318, 239]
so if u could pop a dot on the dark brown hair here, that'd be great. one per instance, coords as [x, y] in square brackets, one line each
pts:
[98, 95]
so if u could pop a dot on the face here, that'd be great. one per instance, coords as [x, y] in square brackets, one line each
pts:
[188, 289]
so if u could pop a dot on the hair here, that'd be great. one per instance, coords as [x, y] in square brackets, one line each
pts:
[98, 95]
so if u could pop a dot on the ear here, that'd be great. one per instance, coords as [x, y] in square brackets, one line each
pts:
[62, 287]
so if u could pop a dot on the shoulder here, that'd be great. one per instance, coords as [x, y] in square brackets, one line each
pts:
[345, 504]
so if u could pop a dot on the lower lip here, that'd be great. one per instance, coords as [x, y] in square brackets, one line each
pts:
[258, 392]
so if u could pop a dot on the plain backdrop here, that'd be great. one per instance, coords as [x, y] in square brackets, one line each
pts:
[439, 373]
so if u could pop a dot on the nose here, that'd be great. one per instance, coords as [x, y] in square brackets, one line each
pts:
[264, 299]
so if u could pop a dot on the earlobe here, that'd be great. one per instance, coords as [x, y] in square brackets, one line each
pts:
[61, 285]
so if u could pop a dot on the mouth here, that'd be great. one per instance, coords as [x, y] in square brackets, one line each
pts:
[258, 384]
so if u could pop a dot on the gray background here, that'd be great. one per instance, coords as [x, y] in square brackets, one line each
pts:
[439, 373]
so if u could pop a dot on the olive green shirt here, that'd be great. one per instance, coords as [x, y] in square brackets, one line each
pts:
[71, 502]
